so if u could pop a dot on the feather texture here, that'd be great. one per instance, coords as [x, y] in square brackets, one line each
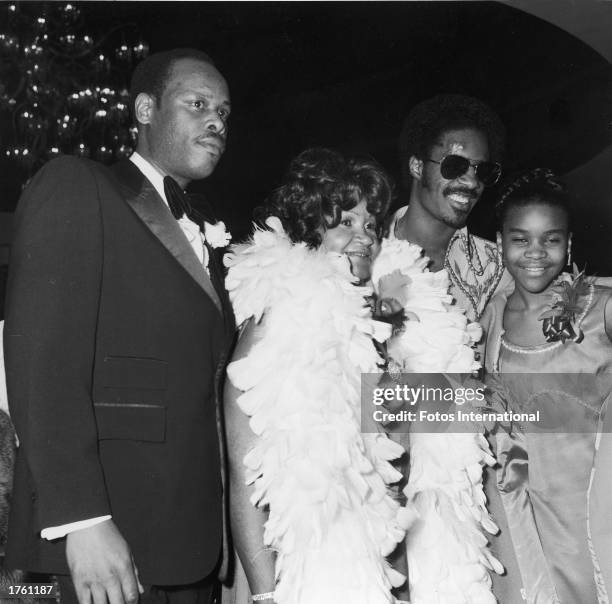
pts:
[448, 555]
[331, 519]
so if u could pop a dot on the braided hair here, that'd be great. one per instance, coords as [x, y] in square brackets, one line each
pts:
[535, 186]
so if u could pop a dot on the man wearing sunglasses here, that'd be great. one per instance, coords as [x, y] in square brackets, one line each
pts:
[450, 148]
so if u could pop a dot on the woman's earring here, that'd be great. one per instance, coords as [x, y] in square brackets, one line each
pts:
[569, 253]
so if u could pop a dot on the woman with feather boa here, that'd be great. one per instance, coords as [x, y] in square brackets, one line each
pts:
[311, 514]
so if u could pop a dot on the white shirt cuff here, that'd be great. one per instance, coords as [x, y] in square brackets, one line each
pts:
[56, 532]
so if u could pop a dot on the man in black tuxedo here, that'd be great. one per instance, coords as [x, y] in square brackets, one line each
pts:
[117, 329]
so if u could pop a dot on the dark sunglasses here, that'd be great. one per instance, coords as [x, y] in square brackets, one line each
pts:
[454, 166]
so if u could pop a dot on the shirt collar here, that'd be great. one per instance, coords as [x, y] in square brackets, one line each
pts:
[155, 177]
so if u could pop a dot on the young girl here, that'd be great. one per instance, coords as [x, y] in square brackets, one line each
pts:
[552, 479]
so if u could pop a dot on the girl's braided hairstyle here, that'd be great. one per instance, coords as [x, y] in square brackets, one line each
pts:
[538, 185]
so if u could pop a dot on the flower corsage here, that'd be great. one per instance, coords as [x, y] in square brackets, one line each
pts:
[559, 322]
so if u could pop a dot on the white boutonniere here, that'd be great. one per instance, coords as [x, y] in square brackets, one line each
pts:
[217, 235]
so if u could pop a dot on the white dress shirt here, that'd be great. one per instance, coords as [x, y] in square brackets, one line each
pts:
[191, 229]
[196, 239]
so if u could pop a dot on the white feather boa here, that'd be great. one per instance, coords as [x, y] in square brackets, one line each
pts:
[330, 517]
[448, 555]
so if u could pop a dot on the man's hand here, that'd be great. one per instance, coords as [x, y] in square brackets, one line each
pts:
[102, 566]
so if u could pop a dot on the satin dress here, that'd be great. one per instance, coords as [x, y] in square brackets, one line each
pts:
[551, 491]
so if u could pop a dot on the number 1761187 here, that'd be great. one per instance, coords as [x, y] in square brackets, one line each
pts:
[31, 590]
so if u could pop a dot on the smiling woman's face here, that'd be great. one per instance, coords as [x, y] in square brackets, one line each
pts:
[355, 237]
[534, 241]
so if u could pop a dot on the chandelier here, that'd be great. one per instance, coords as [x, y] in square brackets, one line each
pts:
[64, 87]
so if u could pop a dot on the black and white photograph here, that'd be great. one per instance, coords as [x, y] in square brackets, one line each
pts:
[305, 302]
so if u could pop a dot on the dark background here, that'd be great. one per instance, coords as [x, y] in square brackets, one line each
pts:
[345, 74]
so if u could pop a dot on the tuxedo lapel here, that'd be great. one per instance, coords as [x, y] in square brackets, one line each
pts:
[215, 269]
[144, 200]
[218, 279]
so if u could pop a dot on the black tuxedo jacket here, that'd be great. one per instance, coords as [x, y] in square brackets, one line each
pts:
[115, 341]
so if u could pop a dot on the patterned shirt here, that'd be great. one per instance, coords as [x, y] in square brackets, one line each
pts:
[474, 266]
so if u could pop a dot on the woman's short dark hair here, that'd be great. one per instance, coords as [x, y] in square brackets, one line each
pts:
[535, 186]
[318, 186]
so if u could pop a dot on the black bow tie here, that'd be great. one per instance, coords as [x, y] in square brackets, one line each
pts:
[177, 199]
